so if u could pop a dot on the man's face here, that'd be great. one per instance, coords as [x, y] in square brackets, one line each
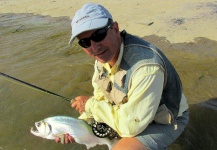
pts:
[106, 50]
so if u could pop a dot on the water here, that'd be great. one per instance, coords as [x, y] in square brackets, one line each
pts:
[35, 49]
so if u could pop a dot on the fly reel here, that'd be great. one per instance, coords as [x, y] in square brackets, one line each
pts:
[102, 130]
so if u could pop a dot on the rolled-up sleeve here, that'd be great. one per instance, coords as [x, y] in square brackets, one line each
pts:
[133, 117]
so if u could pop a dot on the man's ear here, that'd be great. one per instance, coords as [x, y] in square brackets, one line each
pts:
[116, 27]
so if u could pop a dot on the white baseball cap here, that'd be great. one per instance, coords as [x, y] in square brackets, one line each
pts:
[91, 16]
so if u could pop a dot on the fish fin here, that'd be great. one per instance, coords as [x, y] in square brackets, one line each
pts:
[88, 148]
[62, 138]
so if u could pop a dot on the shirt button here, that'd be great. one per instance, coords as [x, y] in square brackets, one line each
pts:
[137, 120]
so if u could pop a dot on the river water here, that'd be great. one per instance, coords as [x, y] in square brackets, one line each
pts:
[35, 49]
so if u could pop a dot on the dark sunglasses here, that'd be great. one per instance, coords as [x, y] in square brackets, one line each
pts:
[97, 36]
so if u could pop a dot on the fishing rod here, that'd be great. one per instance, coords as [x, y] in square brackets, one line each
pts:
[33, 86]
[96, 127]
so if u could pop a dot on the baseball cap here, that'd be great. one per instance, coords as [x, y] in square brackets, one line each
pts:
[90, 17]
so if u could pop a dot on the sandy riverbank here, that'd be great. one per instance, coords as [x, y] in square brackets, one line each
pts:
[178, 21]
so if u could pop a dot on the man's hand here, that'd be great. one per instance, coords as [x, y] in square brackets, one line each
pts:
[79, 103]
[65, 139]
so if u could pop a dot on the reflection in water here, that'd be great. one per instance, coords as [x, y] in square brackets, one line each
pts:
[35, 49]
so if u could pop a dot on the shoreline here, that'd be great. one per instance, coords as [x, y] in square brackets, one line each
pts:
[177, 21]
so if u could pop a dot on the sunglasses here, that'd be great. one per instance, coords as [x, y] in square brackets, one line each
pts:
[97, 36]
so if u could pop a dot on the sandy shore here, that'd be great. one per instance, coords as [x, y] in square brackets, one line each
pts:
[178, 21]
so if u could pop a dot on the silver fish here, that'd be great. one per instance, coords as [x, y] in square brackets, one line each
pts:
[57, 126]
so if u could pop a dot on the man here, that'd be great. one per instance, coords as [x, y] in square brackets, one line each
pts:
[137, 91]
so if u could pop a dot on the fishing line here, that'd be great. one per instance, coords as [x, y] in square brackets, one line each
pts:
[20, 82]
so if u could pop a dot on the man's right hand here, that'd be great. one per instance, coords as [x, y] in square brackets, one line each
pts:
[66, 139]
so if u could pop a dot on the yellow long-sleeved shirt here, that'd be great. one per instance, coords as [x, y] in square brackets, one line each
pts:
[144, 96]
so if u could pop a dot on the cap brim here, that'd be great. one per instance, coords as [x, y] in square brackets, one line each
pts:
[87, 26]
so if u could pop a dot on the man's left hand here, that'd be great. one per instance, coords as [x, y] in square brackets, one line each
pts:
[79, 103]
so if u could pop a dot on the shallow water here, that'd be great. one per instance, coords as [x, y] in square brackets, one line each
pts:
[35, 49]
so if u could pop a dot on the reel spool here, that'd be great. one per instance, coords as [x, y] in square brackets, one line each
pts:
[102, 130]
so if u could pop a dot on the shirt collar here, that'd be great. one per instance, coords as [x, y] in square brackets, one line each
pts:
[114, 69]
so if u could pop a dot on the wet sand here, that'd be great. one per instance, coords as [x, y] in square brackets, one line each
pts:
[177, 21]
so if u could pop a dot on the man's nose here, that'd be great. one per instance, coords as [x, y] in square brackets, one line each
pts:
[94, 46]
